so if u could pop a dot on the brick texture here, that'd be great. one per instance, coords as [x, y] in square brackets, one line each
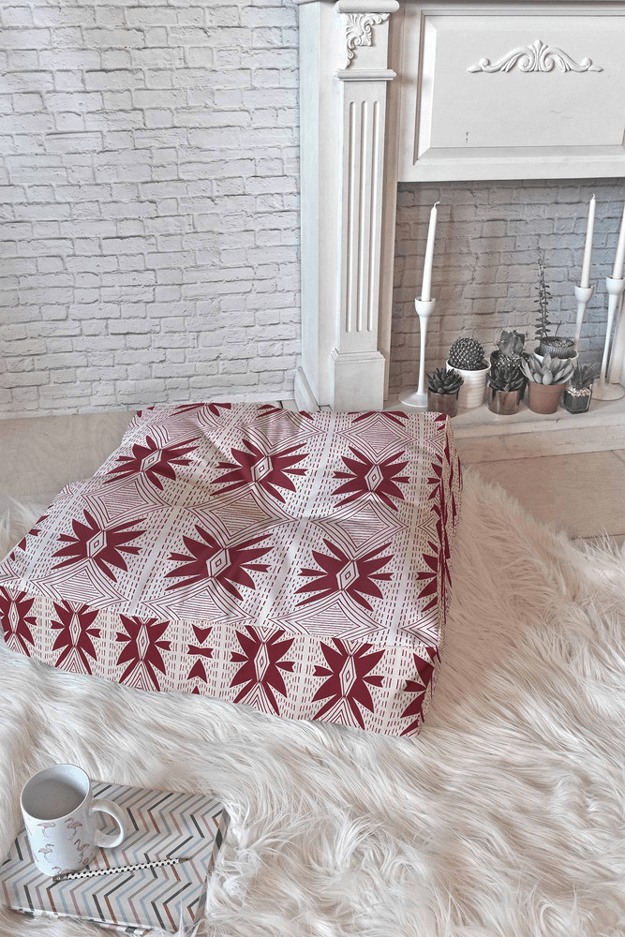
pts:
[488, 238]
[149, 215]
[148, 203]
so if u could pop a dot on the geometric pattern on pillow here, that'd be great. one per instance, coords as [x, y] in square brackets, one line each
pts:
[297, 563]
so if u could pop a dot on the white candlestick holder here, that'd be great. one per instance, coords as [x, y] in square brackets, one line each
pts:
[419, 397]
[616, 366]
[583, 295]
[605, 391]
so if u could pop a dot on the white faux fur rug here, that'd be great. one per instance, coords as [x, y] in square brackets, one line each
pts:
[504, 818]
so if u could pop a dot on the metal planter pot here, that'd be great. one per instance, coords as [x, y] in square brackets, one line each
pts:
[443, 403]
[558, 347]
[505, 402]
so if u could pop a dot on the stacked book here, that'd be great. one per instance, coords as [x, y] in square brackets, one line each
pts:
[160, 825]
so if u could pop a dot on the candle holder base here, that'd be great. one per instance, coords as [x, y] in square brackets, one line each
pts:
[419, 397]
[583, 294]
[414, 399]
[603, 391]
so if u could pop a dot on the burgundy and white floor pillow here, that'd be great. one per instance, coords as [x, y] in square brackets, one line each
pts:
[295, 562]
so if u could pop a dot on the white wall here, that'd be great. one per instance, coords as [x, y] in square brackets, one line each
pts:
[149, 214]
[148, 202]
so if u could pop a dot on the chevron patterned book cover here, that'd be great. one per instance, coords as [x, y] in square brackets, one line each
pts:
[160, 825]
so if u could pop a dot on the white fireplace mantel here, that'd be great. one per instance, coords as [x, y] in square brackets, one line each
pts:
[431, 92]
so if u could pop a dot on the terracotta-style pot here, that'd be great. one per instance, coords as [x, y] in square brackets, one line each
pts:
[505, 402]
[577, 401]
[544, 398]
[443, 403]
[471, 393]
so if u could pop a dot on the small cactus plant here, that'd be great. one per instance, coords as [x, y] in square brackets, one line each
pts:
[466, 354]
[444, 382]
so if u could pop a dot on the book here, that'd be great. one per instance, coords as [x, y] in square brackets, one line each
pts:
[159, 825]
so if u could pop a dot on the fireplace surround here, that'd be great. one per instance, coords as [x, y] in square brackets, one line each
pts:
[428, 93]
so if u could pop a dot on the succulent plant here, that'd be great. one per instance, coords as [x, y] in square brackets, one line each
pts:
[466, 354]
[506, 375]
[543, 322]
[583, 375]
[548, 371]
[444, 382]
[511, 344]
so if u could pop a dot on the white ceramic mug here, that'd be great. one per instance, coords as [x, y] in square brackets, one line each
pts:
[59, 814]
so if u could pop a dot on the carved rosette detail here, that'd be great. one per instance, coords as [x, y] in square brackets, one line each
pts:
[539, 57]
[358, 31]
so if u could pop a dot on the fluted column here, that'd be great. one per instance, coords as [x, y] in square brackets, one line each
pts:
[344, 79]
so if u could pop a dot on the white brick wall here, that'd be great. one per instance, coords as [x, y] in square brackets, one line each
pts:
[148, 202]
[149, 214]
[485, 263]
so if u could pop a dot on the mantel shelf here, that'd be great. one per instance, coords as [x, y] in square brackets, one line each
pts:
[483, 436]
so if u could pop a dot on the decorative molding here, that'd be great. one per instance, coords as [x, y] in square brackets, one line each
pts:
[366, 74]
[358, 31]
[538, 57]
[367, 6]
[363, 175]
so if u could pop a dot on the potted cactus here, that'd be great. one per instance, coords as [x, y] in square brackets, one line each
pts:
[505, 383]
[547, 377]
[466, 356]
[558, 346]
[510, 348]
[443, 387]
[578, 390]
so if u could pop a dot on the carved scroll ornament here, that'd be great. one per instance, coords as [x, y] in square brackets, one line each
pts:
[358, 30]
[539, 57]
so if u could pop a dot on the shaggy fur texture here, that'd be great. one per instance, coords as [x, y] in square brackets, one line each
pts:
[504, 818]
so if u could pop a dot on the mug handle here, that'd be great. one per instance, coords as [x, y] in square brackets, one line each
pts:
[109, 840]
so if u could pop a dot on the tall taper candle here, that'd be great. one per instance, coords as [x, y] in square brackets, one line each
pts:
[426, 287]
[617, 273]
[585, 280]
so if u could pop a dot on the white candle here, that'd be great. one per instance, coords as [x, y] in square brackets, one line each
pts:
[426, 288]
[617, 273]
[585, 280]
